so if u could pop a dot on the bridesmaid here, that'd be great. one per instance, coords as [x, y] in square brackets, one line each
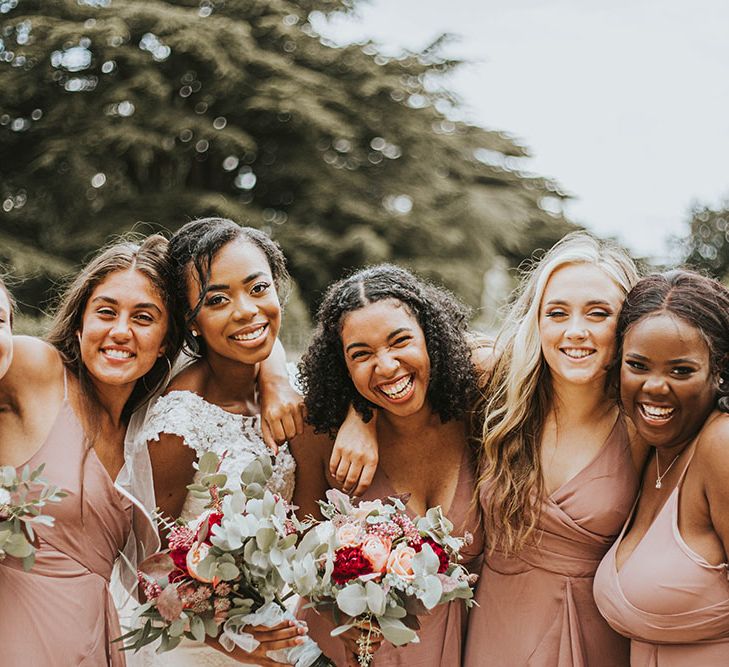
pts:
[664, 582]
[67, 405]
[559, 476]
[386, 341]
[7, 305]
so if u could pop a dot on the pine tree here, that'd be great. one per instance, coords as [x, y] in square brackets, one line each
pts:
[118, 111]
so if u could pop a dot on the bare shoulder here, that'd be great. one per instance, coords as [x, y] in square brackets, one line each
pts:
[712, 447]
[34, 362]
[639, 448]
[191, 378]
[310, 446]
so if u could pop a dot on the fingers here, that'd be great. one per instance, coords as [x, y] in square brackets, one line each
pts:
[352, 478]
[365, 478]
[288, 424]
[334, 460]
[299, 417]
[268, 437]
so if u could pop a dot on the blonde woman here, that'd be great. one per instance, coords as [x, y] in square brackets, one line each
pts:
[558, 474]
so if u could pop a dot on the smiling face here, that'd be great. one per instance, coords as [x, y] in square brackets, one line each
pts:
[577, 323]
[386, 356]
[240, 315]
[123, 329]
[666, 383]
[6, 335]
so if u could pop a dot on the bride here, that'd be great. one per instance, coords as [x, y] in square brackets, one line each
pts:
[229, 279]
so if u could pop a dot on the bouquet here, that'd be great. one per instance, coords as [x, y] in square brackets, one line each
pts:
[377, 567]
[220, 572]
[21, 499]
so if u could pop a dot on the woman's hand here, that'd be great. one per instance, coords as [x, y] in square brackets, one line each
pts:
[282, 413]
[355, 455]
[284, 635]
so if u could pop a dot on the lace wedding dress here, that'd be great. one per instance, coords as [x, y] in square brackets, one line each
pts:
[237, 440]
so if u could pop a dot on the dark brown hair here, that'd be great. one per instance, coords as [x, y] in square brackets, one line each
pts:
[149, 257]
[699, 301]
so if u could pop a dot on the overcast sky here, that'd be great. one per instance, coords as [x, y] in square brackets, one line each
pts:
[625, 103]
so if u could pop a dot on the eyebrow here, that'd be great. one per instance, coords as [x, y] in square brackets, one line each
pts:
[389, 337]
[592, 302]
[245, 281]
[114, 302]
[680, 360]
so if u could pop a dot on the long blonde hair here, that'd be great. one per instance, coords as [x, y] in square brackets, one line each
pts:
[518, 394]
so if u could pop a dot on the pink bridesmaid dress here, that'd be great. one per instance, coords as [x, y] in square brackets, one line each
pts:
[670, 601]
[442, 631]
[536, 608]
[60, 613]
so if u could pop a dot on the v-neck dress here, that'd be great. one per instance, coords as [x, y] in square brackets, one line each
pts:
[60, 613]
[670, 601]
[536, 608]
[442, 630]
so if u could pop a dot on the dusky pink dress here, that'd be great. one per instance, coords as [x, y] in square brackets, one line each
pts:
[536, 608]
[441, 631]
[60, 613]
[670, 601]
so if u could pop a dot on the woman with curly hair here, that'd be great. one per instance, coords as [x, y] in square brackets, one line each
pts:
[559, 474]
[389, 343]
[664, 582]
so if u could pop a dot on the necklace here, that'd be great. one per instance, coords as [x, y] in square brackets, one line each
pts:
[660, 477]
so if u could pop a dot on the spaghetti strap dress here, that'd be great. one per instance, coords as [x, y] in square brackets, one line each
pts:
[536, 608]
[61, 613]
[670, 601]
[442, 631]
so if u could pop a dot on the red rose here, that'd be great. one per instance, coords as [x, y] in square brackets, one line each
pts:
[179, 558]
[349, 563]
[437, 550]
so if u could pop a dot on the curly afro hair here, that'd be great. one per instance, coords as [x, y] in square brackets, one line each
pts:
[328, 388]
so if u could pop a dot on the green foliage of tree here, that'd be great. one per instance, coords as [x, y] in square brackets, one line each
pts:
[707, 245]
[119, 111]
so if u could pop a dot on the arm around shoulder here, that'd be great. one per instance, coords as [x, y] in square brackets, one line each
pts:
[713, 459]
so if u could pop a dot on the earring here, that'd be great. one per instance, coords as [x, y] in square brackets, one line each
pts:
[194, 332]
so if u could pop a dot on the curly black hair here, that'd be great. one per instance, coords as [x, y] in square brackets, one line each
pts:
[328, 388]
[700, 301]
[197, 243]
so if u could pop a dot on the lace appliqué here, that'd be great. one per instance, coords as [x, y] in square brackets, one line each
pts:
[206, 427]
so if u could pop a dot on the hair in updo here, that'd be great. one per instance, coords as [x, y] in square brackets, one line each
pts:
[328, 388]
[192, 251]
[697, 300]
[11, 300]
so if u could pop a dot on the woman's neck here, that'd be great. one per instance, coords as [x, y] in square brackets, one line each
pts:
[409, 426]
[229, 381]
[580, 403]
[112, 399]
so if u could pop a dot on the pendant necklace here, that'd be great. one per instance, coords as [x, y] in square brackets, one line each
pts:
[660, 477]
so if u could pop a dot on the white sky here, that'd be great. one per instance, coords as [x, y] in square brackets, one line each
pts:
[624, 102]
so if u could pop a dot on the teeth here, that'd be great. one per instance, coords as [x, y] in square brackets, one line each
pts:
[117, 354]
[397, 389]
[656, 411]
[251, 335]
[577, 354]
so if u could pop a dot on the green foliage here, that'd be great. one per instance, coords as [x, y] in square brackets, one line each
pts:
[707, 245]
[119, 111]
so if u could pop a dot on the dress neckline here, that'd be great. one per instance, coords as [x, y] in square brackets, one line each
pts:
[598, 454]
[251, 420]
[461, 465]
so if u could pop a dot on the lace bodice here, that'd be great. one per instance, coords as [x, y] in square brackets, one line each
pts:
[207, 427]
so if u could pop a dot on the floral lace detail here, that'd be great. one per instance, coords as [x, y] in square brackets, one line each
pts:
[207, 427]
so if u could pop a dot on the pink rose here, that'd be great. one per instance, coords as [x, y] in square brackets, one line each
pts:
[400, 562]
[365, 508]
[349, 535]
[376, 550]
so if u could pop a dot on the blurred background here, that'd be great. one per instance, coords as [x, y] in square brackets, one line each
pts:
[454, 138]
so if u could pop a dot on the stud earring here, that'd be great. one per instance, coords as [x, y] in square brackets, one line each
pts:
[194, 332]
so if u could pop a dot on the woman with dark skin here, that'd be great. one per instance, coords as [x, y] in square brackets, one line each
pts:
[387, 341]
[664, 583]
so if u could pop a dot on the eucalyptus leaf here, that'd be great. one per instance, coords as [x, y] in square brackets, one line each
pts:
[352, 599]
[197, 628]
[396, 632]
[208, 463]
[341, 629]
